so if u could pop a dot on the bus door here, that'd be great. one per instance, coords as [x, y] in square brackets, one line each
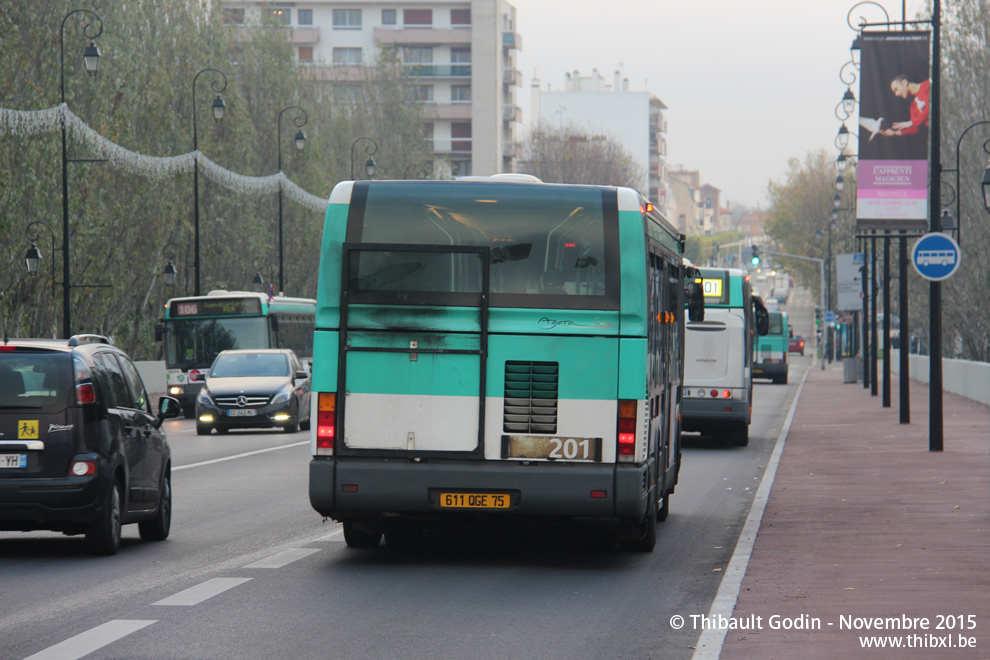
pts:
[413, 350]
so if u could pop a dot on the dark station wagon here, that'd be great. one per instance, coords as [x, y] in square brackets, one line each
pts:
[81, 451]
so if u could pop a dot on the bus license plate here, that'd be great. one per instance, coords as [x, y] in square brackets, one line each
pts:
[13, 461]
[474, 501]
[553, 449]
[242, 412]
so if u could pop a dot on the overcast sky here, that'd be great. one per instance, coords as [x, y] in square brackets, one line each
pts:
[748, 83]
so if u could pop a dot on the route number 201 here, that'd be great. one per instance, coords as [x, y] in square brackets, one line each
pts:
[570, 449]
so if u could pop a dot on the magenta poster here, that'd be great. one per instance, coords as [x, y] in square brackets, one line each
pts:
[892, 174]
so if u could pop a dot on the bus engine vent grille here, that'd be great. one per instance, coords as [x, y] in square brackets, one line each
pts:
[530, 397]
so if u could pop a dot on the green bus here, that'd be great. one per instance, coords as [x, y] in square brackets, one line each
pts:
[492, 349]
[718, 365]
[770, 352]
[196, 328]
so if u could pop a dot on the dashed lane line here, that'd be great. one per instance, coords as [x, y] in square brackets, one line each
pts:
[283, 558]
[92, 640]
[244, 455]
[203, 591]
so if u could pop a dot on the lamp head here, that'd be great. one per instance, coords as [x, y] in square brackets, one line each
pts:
[168, 275]
[300, 140]
[219, 107]
[91, 58]
[849, 101]
[986, 189]
[258, 282]
[369, 167]
[33, 258]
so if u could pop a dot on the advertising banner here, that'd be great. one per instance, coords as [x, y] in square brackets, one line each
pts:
[849, 281]
[892, 175]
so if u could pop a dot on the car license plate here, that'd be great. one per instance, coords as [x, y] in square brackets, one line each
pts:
[13, 460]
[474, 501]
[553, 449]
[242, 412]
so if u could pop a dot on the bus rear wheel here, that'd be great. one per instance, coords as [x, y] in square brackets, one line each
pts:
[357, 538]
[647, 539]
[739, 436]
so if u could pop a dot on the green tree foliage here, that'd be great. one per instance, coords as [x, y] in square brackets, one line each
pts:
[965, 94]
[142, 100]
[800, 220]
[569, 155]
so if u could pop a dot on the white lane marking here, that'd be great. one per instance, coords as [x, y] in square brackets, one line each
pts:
[283, 558]
[94, 639]
[199, 593]
[709, 645]
[230, 458]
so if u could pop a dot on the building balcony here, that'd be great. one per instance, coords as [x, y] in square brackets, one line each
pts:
[451, 146]
[511, 150]
[456, 111]
[511, 113]
[436, 70]
[422, 36]
[511, 40]
[512, 76]
[304, 36]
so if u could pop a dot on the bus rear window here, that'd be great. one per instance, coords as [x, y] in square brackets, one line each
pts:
[548, 249]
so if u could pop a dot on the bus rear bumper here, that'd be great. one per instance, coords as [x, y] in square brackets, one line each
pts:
[702, 414]
[347, 489]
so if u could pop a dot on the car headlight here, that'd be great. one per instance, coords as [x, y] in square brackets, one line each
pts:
[281, 397]
[204, 398]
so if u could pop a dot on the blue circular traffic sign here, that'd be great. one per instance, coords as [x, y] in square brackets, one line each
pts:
[936, 256]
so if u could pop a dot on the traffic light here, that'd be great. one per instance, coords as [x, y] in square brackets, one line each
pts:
[818, 315]
[756, 256]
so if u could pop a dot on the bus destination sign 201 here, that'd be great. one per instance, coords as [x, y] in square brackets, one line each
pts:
[217, 307]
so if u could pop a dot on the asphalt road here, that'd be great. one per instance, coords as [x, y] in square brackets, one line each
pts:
[251, 571]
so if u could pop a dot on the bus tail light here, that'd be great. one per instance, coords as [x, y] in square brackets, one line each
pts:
[326, 423]
[627, 428]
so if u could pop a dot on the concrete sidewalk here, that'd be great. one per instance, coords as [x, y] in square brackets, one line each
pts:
[863, 521]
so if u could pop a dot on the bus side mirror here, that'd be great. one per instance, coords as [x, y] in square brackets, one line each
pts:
[159, 331]
[762, 322]
[696, 301]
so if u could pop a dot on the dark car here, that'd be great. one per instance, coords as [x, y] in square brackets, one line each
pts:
[80, 450]
[795, 344]
[262, 388]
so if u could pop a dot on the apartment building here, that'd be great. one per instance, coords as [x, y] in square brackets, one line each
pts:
[634, 119]
[459, 57]
[695, 207]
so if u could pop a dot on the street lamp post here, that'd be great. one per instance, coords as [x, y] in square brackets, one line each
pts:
[300, 139]
[170, 272]
[218, 109]
[91, 61]
[33, 256]
[419, 170]
[369, 150]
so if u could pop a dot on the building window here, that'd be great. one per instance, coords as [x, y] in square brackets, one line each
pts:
[460, 17]
[281, 16]
[305, 53]
[708, 202]
[460, 132]
[460, 168]
[423, 93]
[305, 17]
[347, 18]
[417, 54]
[460, 55]
[233, 16]
[460, 93]
[346, 56]
[389, 17]
[417, 17]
